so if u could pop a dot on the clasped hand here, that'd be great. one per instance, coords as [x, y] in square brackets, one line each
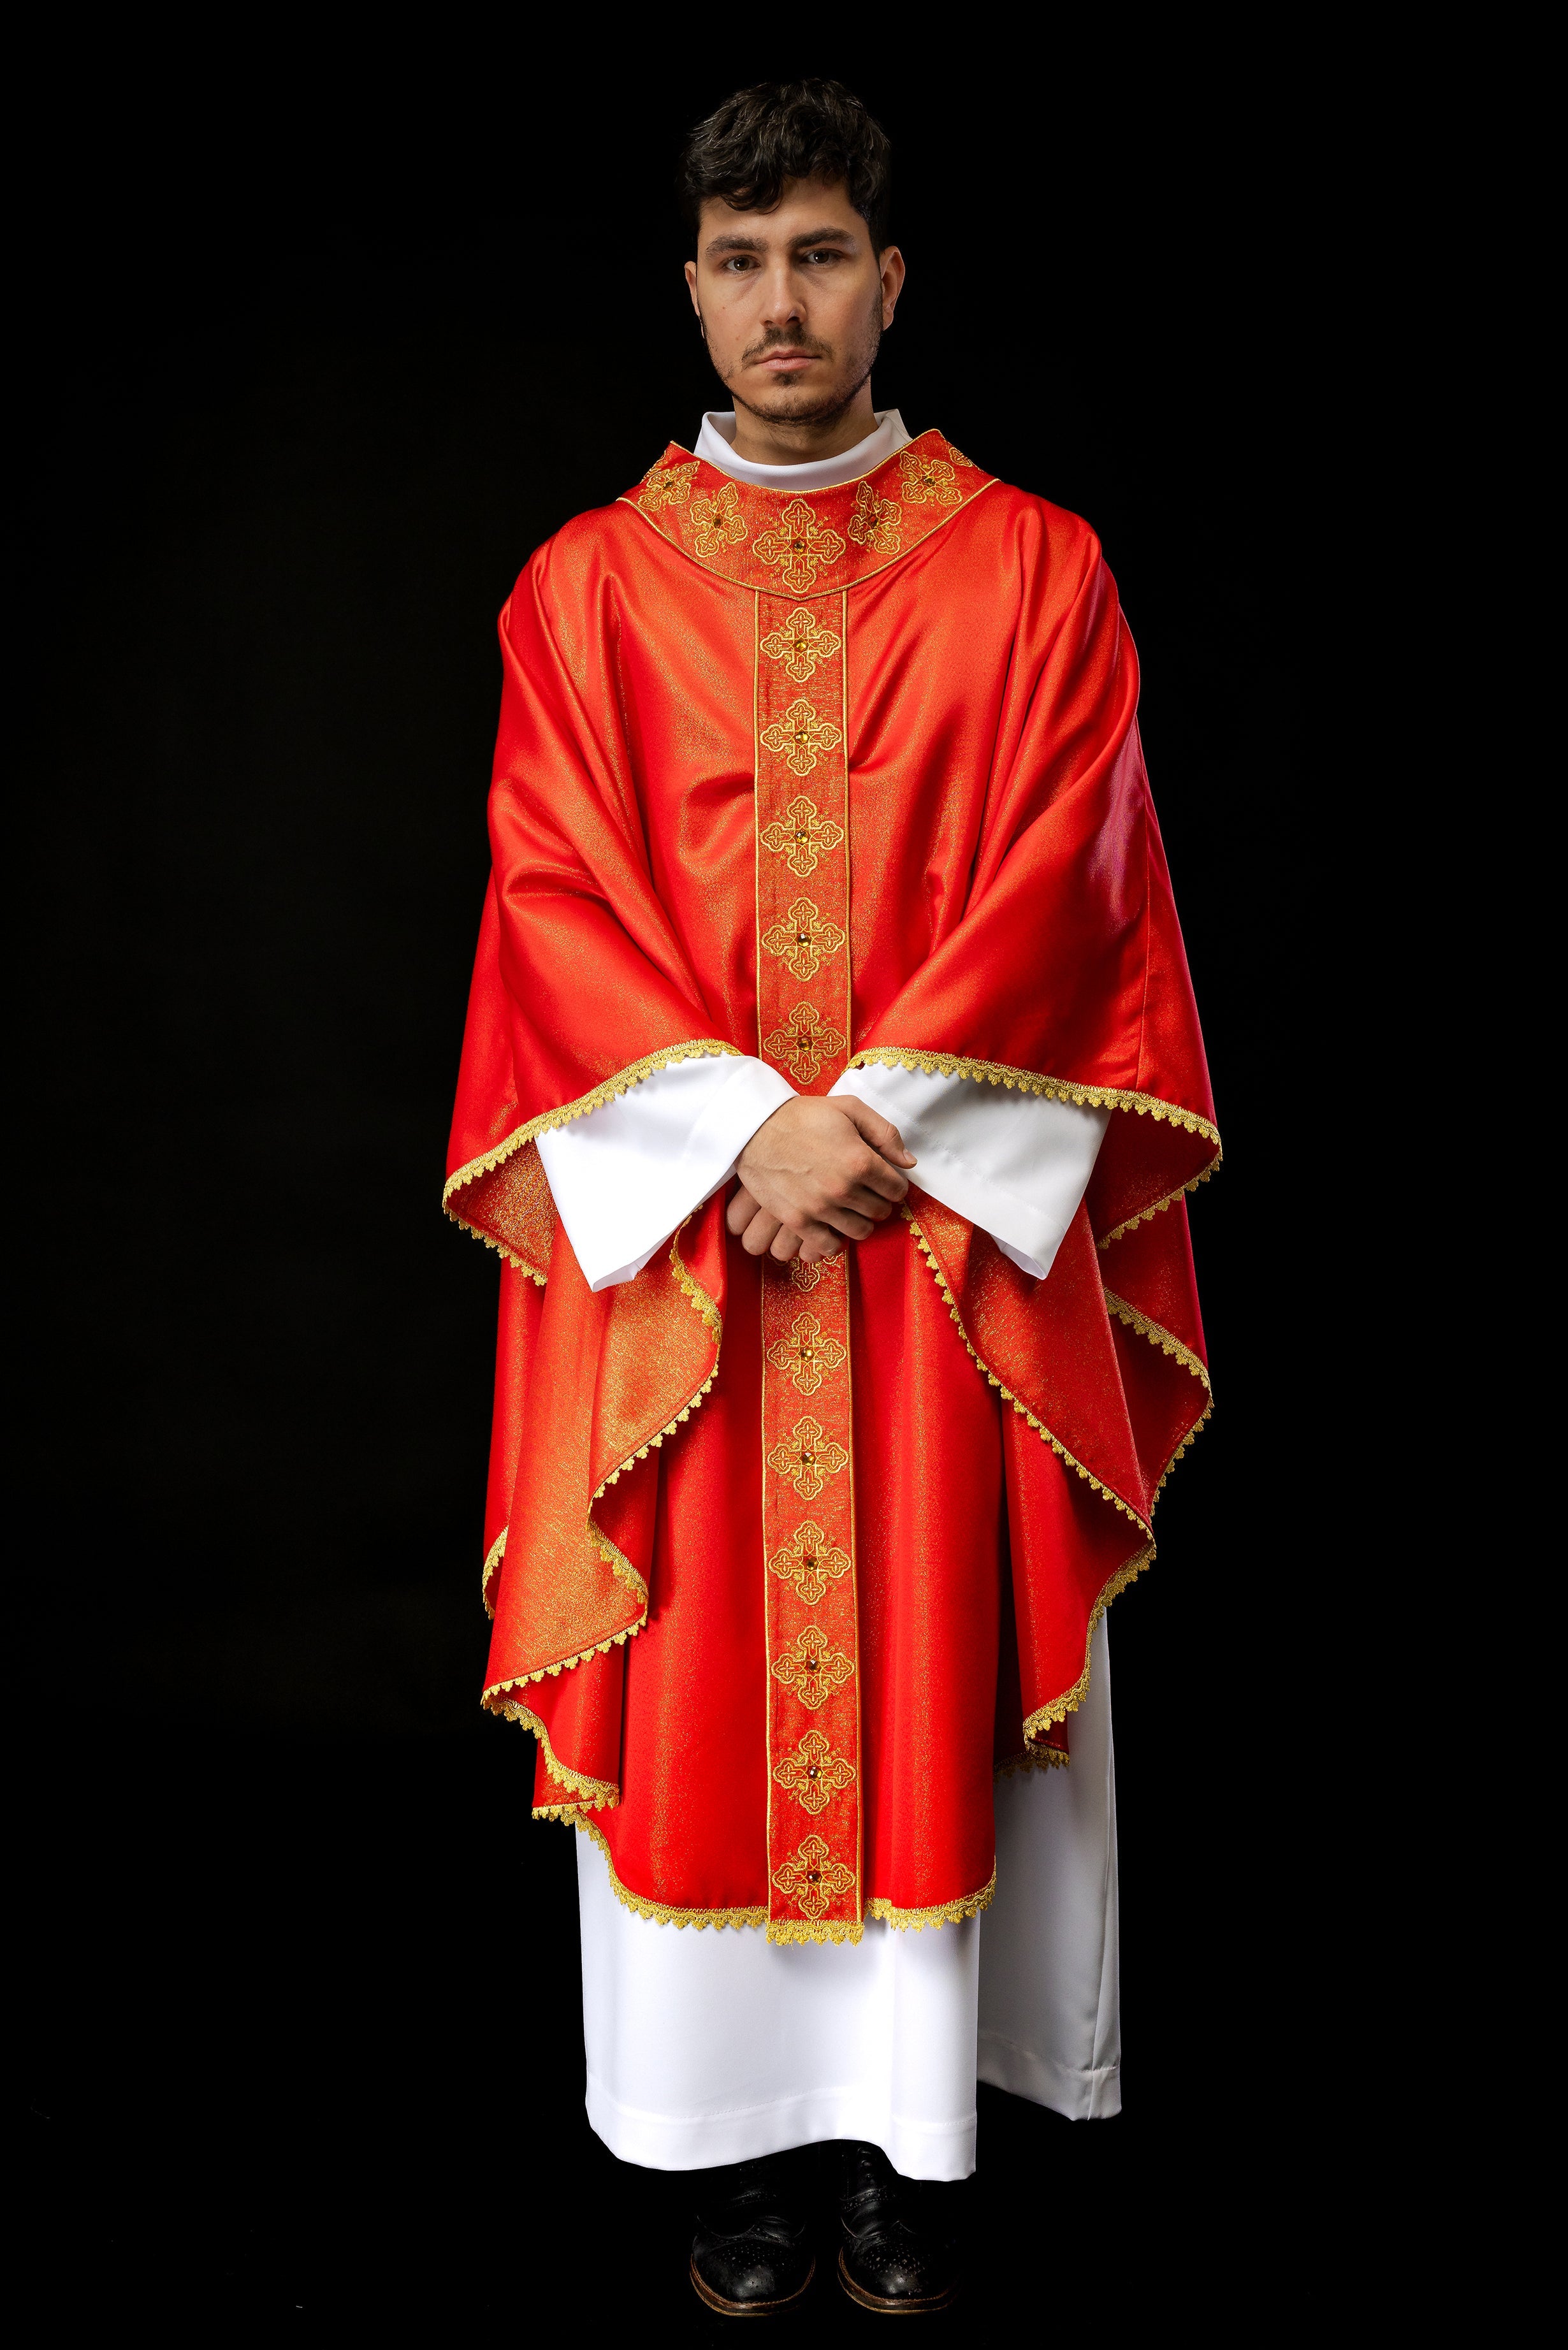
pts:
[816, 1174]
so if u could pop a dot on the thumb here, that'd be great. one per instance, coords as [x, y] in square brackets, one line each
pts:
[878, 1131]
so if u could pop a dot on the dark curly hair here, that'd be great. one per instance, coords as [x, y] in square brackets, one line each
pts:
[781, 130]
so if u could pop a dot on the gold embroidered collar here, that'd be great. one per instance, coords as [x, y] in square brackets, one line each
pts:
[811, 542]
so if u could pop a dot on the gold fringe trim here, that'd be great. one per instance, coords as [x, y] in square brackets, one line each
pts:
[620, 1565]
[1041, 1758]
[1030, 1081]
[493, 1558]
[779, 1930]
[1166, 1340]
[1059, 1708]
[562, 1664]
[698, 1049]
[701, 1303]
[1022, 1410]
[1148, 1215]
[800, 1930]
[597, 1794]
[946, 1913]
[659, 1911]
[1196, 1428]
[518, 1263]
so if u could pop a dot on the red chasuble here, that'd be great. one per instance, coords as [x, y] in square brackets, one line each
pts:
[832, 778]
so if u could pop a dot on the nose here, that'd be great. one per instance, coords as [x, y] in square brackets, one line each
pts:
[781, 294]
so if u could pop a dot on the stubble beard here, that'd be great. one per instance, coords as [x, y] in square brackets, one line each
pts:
[824, 406]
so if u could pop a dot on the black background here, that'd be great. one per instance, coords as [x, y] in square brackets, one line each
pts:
[314, 378]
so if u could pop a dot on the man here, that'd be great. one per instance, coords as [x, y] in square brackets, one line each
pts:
[832, 1085]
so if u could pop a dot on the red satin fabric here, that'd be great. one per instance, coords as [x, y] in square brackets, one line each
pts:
[1010, 906]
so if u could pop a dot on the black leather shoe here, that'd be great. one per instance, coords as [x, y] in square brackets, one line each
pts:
[889, 2259]
[751, 2255]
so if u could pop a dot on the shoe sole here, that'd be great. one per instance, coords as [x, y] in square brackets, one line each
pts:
[748, 2308]
[885, 2308]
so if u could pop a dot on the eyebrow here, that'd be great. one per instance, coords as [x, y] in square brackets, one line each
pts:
[733, 243]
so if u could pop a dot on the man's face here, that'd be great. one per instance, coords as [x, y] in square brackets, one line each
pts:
[792, 302]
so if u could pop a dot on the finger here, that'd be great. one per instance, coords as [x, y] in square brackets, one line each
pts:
[819, 1244]
[874, 1174]
[785, 1244]
[758, 1236]
[740, 1209]
[844, 1221]
[878, 1131]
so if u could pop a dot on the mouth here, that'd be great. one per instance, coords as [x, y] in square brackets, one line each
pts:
[787, 362]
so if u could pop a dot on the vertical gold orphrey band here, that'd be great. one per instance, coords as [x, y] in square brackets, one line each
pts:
[815, 1862]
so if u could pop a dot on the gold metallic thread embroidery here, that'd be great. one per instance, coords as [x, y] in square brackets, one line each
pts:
[800, 737]
[807, 1457]
[804, 1045]
[800, 643]
[926, 481]
[811, 1562]
[813, 1774]
[813, 1880]
[666, 485]
[717, 522]
[806, 1354]
[805, 839]
[875, 521]
[801, 939]
[798, 545]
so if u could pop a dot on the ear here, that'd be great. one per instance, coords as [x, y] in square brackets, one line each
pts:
[691, 289]
[890, 262]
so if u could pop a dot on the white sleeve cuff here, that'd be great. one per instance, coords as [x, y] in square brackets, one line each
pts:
[625, 1175]
[1015, 1164]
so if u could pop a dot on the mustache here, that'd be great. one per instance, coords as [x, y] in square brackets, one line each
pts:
[776, 339]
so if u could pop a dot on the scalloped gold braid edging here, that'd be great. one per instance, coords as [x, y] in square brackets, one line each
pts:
[1099, 1486]
[783, 1930]
[1039, 1758]
[1030, 1081]
[659, 1911]
[1196, 1428]
[1148, 1215]
[493, 1558]
[1158, 1335]
[1059, 1708]
[696, 1048]
[518, 1263]
[832, 1929]
[945, 1913]
[697, 1299]
[701, 1304]
[598, 1794]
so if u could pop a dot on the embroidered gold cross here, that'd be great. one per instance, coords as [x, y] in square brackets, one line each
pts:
[665, 486]
[803, 1457]
[806, 836]
[804, 1045]
[875, 521]
[813, 1774]
[803, 938]
[717, 521]
[799, 544]
[799, 736]
[813, 1880]
[928, 482]
[806, 1354]
[814, 1667]
[800, 644]
[811, 1563]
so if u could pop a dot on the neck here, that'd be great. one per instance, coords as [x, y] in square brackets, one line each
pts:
[761, 440]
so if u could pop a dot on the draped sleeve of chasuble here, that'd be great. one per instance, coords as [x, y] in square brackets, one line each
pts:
[784, 1561]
